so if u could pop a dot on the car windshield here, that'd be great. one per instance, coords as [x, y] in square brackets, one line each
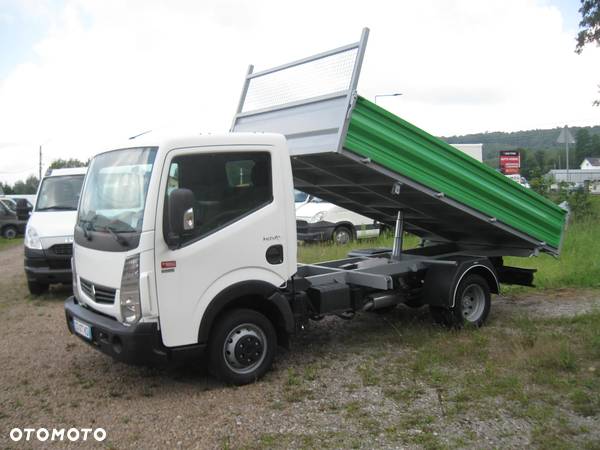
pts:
[114, 195]
[300, 196]
[59, 193]
[9, 203]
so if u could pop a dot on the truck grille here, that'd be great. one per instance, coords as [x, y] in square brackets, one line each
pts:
[62, 249]
[59, 264]
[99, 294]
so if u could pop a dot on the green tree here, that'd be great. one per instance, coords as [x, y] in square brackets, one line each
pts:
[589, 27]
[27, 187]
[6, 189]
[540, 159]
[66, 163]
[595, 146]
[583, 146]
[590, 24]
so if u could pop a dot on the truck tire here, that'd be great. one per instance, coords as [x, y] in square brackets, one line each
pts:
[9, 232]
[471, 305]
[241, 346]
[342, 235]
[36, 288]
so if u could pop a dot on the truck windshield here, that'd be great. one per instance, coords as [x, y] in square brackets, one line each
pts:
[59, 193]
[114, 195]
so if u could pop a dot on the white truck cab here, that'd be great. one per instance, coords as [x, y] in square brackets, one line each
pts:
[49, 232]
[170, 232]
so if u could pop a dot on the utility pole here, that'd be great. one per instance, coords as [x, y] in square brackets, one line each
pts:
[40, 171]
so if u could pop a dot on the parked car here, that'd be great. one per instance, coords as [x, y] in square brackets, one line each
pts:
[318, 220]
[10, 225]
[519, 179]
[49, 233]
[9, 203]
[29, 199]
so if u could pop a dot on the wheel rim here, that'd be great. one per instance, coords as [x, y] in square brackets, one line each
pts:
[245, 348]
[473, 302]
[342, 237]
[10, 234]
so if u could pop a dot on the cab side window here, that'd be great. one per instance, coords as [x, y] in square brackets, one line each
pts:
[226, 187]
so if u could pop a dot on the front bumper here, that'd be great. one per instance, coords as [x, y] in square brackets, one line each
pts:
[139, 343]
[44, 266]
[320, 231]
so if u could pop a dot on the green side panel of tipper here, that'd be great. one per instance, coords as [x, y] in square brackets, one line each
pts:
[409, 151]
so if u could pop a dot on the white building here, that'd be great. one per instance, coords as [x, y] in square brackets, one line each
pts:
[590, 164]
[473, 150]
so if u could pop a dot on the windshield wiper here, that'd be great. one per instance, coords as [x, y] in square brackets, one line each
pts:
[86, 226]
[61, 207]
[120, 239]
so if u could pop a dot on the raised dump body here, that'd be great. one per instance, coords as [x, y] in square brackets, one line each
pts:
[353, 153]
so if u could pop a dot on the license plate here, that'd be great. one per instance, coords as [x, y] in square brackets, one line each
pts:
[82, 329]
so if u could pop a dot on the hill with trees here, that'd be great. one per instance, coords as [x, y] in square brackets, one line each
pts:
[539, 150]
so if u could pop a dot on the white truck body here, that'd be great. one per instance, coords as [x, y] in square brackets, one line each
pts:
[49, 232]
[190, 244]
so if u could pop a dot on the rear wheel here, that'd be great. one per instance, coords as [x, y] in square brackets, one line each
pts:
[242, 346]
[472, 304]
[36, 288]
[342, 235]
[9, 232]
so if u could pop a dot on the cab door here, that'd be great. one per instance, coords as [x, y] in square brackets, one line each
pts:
[237, 217]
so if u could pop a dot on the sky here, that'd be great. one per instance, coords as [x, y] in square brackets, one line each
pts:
[79, 75]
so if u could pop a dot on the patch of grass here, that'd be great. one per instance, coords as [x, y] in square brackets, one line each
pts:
[322, 440]
[368, 374]
[294, 388]
[327, 251]
[578, 264]
[8, 243]
[310, 372]
[586, 402]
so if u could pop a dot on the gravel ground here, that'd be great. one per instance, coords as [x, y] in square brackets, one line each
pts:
[50, 379]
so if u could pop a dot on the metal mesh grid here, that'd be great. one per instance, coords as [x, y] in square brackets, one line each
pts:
[307, 80]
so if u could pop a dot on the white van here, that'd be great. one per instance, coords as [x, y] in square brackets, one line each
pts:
[49, 233]
[318, 220]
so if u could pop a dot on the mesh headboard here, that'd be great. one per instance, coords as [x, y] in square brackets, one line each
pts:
[306, 100]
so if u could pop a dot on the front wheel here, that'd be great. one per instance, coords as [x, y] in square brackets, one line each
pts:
[242, 346]
[342, 235]
[9, 232]
[472, 304]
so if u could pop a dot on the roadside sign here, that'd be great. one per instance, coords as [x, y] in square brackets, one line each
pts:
[565, 137]
[510, 162]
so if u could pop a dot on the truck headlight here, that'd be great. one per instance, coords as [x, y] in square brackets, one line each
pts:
[318, 217]
[32, 240]
[74, 272]
[131, 310]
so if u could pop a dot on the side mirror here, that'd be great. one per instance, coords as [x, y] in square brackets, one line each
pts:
[180, 204]
[23, 210]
